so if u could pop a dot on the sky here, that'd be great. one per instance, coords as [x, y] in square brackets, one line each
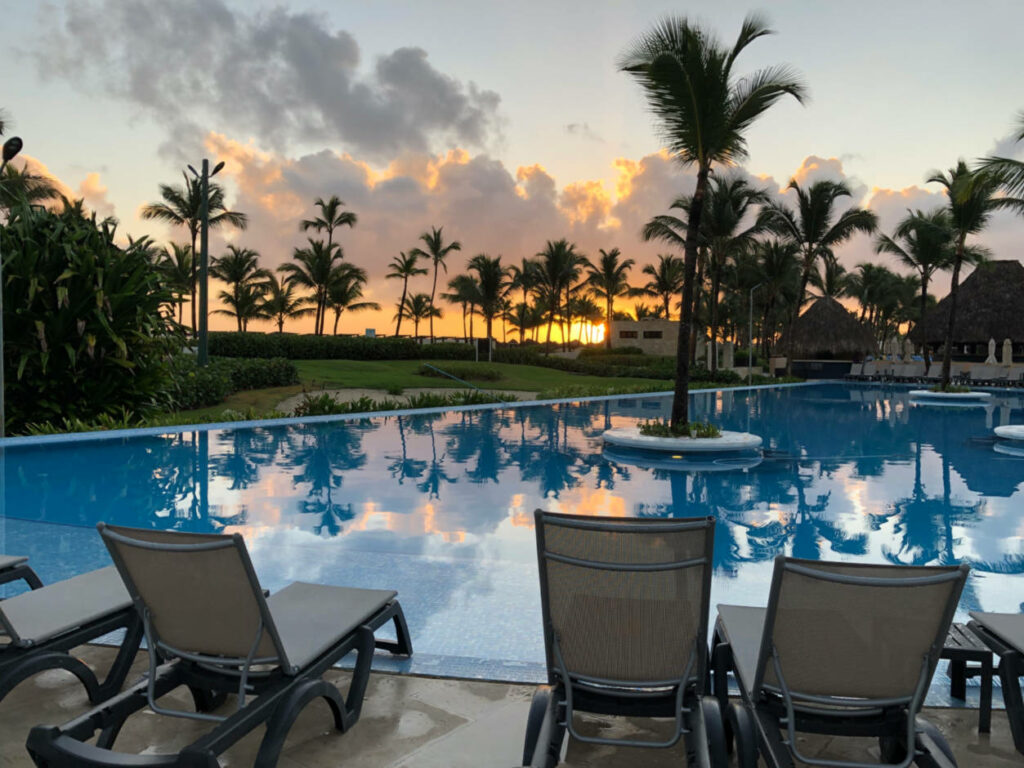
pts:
[508, 124]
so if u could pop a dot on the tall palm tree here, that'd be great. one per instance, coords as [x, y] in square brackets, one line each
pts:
[1009, 171]
[831, 278]
[522, 317]
[182, 207]
[923, 242]
[463, 290]
[816, 228]
[244, 303]
[417, 308]
[523, 277]
[344, 291]
[608, 280]
[973, 196]
[312, 268]
[492, 286]
[703, 112]
[280, 302]
[240, 269]
[175, 267]
[779, 266]
[437, 251]
[666, 280]
[558, 267]
[25, 187]
[402, 267]
[332, 215]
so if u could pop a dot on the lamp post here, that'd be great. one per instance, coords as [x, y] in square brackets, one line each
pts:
[203, 354]
[750, 337]
[11, 148]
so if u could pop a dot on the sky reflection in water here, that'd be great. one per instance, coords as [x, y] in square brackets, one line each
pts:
[440, 506]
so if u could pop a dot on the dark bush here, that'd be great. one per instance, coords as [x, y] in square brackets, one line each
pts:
[604, 351]
[464, 371]
[194, 387]
[309, 347]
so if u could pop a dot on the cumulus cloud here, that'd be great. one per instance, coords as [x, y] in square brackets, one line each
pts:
[284, 76]
[94, 194]
[584, 131]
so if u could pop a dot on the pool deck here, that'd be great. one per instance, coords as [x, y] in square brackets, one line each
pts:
[420, 722]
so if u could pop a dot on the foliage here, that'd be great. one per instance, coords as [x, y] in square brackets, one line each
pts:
[324, 405]
[194, 387]
[464, 371]
[311, 347]
[693, 429]
[84, 330]
[603, 352]
[950, 388]
[125, 419]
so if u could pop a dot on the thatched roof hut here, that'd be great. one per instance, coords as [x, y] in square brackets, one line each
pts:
[989, 305]
[828, 331]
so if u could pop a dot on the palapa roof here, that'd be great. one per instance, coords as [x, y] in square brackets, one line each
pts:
[828, 330]
[989, 305]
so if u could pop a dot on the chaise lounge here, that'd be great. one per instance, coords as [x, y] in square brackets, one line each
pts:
[1004, 634]
[209, 627]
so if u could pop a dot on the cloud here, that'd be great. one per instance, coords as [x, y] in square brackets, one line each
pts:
[94, 194]
[283, 76]
[584, 131]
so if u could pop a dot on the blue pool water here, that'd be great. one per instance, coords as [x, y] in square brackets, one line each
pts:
[439, 505]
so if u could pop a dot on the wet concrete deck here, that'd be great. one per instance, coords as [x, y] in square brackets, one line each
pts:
[417, 722]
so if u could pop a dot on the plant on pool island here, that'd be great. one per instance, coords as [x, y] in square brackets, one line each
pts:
[703, 112]
[84, 330]
[953, 389]
[666, 429]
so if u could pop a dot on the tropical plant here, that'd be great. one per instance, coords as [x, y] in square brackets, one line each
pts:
[779, 266]
[831, 278]
[436, 251]
[523, 277]
[175, 268]
[463, 290]
[666, 280]
[345, 291]
[418, 307]
[492, 285]
[558, 267]
[332, 215]
[402, 267]
[703, 112]
[240, 269]
[312, 268]
[280, 302]
[608, 280]
[21, 185]
[182, 207]
[972, 198]
[817, 229]
[244, 303]
[591, 315]
[85, 333]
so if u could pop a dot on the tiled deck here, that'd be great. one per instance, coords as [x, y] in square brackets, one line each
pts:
[419, 722]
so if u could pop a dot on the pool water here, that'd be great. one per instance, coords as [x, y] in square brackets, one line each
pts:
[439, 506]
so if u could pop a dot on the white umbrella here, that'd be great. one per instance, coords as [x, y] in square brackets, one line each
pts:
[908, 349]
[1007, 352]
[991, 359]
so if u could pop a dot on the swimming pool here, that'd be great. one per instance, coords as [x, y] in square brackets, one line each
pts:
[439, 505]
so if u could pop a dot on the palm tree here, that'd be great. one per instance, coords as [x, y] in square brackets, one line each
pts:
[831, 278]
[492, 285]
[332, 216]
[344, 291]
[1009, 171]
[418, 307]
[590, 313]
[923, 242]
[973, 196]
[463, 290]
[244, 303]
[240, 269]
[436, 251]
[816, 228]
[666, 280]
[175, 267]
[608, 280]
[313, 270]
[402, 267]
[779, 266]
[522, 317]
[25, 187]
[182, 207]
[703, 112]
[557, 269]
[280, 302]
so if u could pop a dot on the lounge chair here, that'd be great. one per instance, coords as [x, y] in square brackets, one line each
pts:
[856, 372]
[1004, 634]
[625, 612]
[842, 649]
[17, 569]
[209, 627]
[42, 625]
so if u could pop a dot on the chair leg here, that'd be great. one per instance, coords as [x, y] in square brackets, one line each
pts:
[403, 641]
[287, 713]
[122, 662]
[33, 665]
[1010, 671]
[21, 573]
[958, 679]
[985, 702]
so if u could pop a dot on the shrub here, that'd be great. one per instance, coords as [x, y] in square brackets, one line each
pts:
[603, 351]
[84, 331]
[693, 429]
[464, 371]
[324, 405]
[194, 387]
[309, 347]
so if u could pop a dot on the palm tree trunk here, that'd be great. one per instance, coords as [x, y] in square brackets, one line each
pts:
[401, 305]
[681, 398]
[472, 336]
[432, 292]
[805, 276]
[696, 304]
[490, 347]
[280, 323]
[416, 328]
[715, 281]
[337, 317]
[920, 322]
[947, 352]
[608, 322]
[195, 280]
[465, 334]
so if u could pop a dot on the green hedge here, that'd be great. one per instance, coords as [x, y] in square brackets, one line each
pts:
[309, 347]
[195, 387]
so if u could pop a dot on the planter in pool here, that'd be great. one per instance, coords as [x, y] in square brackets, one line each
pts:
[1010, 432]
[949, 397]
[728, 442]
[1010, 449]
[678, 462]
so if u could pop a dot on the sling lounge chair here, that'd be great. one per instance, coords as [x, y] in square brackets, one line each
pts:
[41, 626]
[625, 611]
[209, 627]
[842, 649]
[1004, 634]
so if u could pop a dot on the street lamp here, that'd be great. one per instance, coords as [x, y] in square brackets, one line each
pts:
[750, 337]
[203, 355]
[11, 148]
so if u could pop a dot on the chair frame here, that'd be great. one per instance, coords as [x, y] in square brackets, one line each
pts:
[278, 694]
[1011, 669]
[551, 713]
[758, 720]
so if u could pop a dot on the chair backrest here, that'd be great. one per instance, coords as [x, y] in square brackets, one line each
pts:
[197, 592]
[856, 369]
[625, 600]
[856, 631]
[870, 368]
